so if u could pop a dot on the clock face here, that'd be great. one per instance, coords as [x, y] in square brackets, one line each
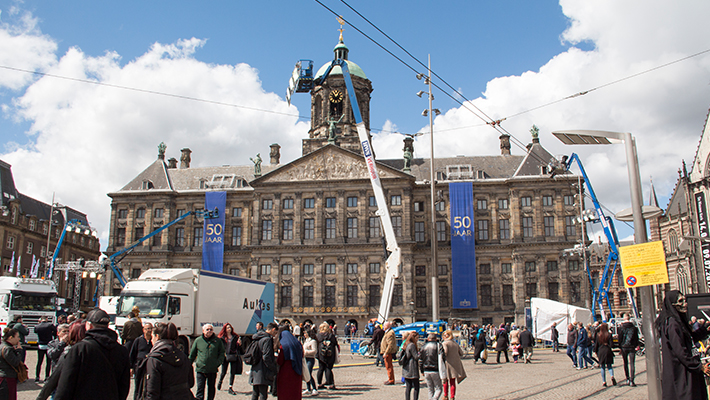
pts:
[336, 96]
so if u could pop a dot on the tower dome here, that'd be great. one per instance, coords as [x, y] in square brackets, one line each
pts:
[332, 119]
[341, 51]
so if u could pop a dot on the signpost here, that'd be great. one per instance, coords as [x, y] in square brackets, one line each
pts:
[643, 264]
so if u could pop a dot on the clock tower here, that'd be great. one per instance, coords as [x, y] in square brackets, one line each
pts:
[332, 120]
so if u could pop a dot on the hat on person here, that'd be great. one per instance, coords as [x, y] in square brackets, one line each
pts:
[98, 316]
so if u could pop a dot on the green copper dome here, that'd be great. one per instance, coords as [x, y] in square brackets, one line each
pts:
[341, 51]
[354, 69]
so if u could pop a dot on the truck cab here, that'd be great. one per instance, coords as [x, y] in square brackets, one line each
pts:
[27, 297]
[161, 296]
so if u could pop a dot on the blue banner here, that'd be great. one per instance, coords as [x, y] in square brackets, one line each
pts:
[213, 244]
[463, 246]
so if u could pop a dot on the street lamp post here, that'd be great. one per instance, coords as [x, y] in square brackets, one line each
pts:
[432, 177]
[653, 355]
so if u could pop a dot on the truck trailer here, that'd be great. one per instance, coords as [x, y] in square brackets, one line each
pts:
[27, 297]
[191, 298]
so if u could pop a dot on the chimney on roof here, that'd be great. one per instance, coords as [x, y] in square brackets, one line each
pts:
[185, 158]
[504, 144]
[172, 163]
[275, 154]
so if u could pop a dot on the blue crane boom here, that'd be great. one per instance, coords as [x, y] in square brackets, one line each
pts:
[114, 259]
[601, 292]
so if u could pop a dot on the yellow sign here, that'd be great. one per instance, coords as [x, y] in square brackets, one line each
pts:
[643, 264]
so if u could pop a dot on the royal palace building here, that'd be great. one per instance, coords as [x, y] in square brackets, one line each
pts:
[309, 225]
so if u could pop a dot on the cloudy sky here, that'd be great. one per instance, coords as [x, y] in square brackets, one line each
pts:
[151, 64]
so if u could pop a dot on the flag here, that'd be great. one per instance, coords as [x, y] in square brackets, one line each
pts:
[19, 264]
[32, 267]
[12, 262]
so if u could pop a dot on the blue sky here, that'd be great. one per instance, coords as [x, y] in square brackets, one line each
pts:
[83, 141]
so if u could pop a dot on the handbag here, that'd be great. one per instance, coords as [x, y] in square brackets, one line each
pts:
[232, 357]
[484, 354]
[305, 374]
[21, 370]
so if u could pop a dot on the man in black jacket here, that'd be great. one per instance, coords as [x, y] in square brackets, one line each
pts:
[429, 365]
[628, 341]
[97, 367]
[139, 350]
[527, 342]
[263, 373]
[572, 344]
[46, 331]
[555, 336]
[377, 336]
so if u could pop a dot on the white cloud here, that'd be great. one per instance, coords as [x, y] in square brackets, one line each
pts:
[93, 139]
[24, 47]
[663, 109]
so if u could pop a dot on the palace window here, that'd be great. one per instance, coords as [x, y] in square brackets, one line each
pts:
[309, 228]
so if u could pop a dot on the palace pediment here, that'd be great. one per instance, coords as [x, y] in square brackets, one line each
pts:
[329, 163]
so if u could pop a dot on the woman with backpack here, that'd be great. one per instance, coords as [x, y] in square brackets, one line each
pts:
[628, 341]
[327, 353]
[409, 360]
[232, 346]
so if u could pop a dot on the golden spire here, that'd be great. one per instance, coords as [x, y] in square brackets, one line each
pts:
[341, 21]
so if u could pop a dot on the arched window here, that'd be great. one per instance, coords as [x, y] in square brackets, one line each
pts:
[682, 279]
[672, 241]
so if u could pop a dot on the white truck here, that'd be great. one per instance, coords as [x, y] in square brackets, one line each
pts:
[31, 298]
[191, 298]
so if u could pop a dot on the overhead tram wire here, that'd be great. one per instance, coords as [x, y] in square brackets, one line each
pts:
[496, 123]
[488, 120]
[154, 92]
[183, 97]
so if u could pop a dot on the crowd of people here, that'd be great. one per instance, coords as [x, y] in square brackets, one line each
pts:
[82, 357]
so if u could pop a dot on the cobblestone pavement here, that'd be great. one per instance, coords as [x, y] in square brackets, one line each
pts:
[550, 376]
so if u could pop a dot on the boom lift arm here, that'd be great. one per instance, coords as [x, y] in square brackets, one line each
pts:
[114, 259]
[602, 291]
[302, 81]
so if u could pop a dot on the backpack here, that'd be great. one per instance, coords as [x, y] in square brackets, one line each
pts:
[253, 354]
[630, 337]
[327, 349]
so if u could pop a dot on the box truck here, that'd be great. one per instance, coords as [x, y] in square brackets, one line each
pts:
[191, 298]
[29, 297]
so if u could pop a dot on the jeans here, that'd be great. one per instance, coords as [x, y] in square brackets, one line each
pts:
[233, 370]
[572, 353]
[629, 356]
[311, 384]
[433, 383]
[409, 385]
[41, 355]
[555, 345]
[327, 369]
[380, 360]
[604, 367]
[583, 357]
[200, 380]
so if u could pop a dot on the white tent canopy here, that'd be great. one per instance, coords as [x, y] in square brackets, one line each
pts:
[544, 312]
